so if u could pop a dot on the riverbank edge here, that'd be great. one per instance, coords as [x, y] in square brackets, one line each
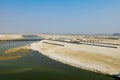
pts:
[65, 61]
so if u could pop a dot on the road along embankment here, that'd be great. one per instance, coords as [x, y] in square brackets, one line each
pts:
[98, 59]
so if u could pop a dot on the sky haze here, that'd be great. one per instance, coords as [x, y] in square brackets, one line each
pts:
[60, 16]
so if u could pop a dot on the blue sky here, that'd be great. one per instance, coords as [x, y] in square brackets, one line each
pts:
[59, 16]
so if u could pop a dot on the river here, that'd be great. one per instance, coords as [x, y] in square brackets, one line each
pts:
[35, 66]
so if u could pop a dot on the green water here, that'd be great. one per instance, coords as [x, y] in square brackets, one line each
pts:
[35, 66]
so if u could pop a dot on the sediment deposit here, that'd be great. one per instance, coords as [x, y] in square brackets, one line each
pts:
[98, 59]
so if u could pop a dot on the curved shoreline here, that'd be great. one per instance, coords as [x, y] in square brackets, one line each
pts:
[74, 64]
[58, 53]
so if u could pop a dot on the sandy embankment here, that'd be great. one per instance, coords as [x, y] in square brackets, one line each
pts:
[97, 59]
[9, 37]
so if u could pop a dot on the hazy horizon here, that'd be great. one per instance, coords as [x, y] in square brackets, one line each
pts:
[60, 16]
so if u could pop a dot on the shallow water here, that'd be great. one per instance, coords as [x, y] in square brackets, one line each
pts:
[34, 66]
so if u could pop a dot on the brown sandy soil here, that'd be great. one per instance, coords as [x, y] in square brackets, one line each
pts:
[99, 59]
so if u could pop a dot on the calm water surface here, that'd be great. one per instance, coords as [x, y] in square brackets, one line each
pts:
[35, 66]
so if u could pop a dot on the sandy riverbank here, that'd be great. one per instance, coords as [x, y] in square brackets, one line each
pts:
[9, 37]
[99, 59]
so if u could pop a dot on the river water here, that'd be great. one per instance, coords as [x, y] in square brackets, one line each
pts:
[35, 66]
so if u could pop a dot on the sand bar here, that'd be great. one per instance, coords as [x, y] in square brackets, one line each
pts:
[98, 59]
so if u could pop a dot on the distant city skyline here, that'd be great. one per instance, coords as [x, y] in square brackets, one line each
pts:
[60, 16]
